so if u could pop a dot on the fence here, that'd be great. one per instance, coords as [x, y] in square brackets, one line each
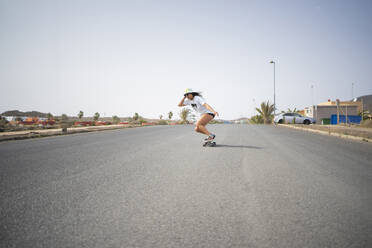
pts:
[356, 119]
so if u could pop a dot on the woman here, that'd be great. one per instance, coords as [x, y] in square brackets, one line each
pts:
[207, 113]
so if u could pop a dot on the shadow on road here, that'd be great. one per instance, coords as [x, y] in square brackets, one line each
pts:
[239, 146]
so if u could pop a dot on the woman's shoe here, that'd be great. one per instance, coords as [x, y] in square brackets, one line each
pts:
[210, 137]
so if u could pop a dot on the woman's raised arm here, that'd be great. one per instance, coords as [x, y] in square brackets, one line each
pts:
[181, 102]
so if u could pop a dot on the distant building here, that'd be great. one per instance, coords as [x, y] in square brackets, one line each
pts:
[326, 109]
[31, 120]
[14, 118]
[10, 118]
[367, 102]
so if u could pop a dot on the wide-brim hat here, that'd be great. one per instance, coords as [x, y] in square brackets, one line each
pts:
[189, 91]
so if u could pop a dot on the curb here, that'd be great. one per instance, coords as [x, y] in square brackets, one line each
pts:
[340, 135]
[58, 132]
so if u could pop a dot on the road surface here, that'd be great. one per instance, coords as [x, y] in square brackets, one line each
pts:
[262, 186]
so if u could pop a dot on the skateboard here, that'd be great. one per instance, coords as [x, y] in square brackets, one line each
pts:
[209, 143]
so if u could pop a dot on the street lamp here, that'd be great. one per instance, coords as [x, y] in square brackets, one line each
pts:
[312, 95]
[273, 62]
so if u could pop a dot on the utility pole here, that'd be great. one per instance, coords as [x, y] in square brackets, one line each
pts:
[346, 115]
[338, 111]
[312, 102]
[273, 62]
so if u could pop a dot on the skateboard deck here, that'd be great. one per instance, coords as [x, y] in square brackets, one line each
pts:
[209, 143]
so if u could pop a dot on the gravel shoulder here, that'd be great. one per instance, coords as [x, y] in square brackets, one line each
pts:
[28, 134]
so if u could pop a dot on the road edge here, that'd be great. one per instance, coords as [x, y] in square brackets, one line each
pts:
[32, 134]
[340, 135]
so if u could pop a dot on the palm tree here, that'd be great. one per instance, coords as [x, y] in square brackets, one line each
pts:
[64, 118]
[170, 115]
[192, 117]
[184, 114]
[80, 114]
[292, 111]
[266, 111]
[49, 116]
[115, 119]
[136, 116]
[96, 116]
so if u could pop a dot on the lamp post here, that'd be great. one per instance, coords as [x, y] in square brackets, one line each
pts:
[312, 95]
[273, 62]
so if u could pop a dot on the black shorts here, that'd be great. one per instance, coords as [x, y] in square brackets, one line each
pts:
[211, 114]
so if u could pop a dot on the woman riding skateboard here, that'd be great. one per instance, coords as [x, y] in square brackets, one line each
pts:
[206, 112]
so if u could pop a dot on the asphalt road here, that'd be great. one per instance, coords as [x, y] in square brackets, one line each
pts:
[262, 186]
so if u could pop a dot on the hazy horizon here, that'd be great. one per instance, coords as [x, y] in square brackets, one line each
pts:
[122, 57]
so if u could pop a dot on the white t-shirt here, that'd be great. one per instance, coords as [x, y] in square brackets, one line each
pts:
[197, 105]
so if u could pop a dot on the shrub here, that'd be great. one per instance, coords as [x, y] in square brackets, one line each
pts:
[3, 124]
[215, 122]
[257, 119]
[115, 119]
[183, 122]
[163, 122]
[137, 122]
[184, 114]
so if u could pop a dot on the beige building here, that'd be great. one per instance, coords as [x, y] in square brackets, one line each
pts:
[326, 109]
[308, 112]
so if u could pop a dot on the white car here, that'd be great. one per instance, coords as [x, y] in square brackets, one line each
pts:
[293, 118]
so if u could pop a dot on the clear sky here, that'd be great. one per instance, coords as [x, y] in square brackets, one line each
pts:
[120, 57]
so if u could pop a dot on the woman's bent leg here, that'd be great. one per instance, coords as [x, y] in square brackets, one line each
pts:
[202, 122]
